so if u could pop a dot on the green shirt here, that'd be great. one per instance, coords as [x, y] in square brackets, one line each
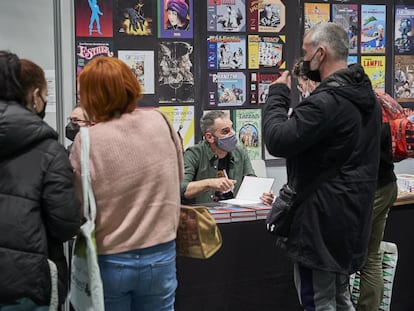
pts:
[201, 163]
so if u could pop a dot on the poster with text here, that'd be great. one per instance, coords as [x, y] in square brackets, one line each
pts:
[226, 52]
[175, 18]
[135, 17]
[265, 51]
[142, 66]
[175, 72]
[182, 119]
[316, 13]
[374, 67]
[93, 18]
[346, 15]
[266, 15]
[404, 78]
[86, 51]
[248, 128]
[404, 29]
[259, 86]
[227, 89]
[226, 15]
[373, 34]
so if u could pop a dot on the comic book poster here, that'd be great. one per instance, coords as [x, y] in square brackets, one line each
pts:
[266, 15]
[404, 78]
[182, 119]
[373, 29]
[374, 67]
[142, 66]
[346, 15]
[404, 29]
[265, 51]
[248, 128]
[226, 52]
[259, 86]
[93, 18]
[135, 17]
[227, 89]
[175, 18]
[86, 51]
[316, 13]
[226, 15]
[175, 72]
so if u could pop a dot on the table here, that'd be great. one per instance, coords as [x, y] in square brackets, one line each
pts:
[248, 273]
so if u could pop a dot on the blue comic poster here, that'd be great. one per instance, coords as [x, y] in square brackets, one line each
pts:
[373, 32]
[227, 89]
[93, 18]
[404, 29]
[175, 18]
[226, 52]
[226, 15]
[346, 15]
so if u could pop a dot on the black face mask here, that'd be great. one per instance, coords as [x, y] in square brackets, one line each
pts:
[42, 113]
[313, 75]
[71, 130]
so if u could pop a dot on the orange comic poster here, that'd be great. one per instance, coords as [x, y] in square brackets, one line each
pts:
[316, 13]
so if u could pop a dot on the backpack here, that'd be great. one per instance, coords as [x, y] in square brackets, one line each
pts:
[401, 125]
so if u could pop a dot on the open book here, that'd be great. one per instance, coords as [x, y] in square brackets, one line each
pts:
[251, 190]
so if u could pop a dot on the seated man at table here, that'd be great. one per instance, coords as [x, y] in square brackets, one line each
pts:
[215, 167]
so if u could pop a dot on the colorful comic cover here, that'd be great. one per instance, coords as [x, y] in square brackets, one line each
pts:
[142, 66]
[346, 15]
[404, 78]
[93, 18]
[265, 51]
[227, 89]
[266, 15]
[175, 18]
[316, 13]
[226, 15]
[226, 52]
[175, 72]
[374, 67]
[373, 28]
[259, 86]
[86, 51]
[135, 17]
[182, 119]
[248, 127]
[404, 29]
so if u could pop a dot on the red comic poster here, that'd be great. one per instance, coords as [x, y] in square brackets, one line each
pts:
[93, 18]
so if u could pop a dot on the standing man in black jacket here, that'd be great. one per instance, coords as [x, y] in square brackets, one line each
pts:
[337, 128]
[39, 209]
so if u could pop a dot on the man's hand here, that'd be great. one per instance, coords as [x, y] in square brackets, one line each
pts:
[222, 184]
[267, 198]
[284, 79]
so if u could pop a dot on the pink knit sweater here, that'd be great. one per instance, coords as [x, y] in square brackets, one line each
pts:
[136, 169]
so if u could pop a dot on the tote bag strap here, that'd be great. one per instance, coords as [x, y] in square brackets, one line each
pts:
[89, 204]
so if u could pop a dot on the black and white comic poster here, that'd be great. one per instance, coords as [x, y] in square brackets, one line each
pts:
[226, 15]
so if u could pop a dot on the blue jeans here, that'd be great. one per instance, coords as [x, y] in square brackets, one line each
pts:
[24, 304]
[142, 279]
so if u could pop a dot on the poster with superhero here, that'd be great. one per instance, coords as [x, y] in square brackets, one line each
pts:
[373, 34]
[248, 127]
[404, 29]
[226, 52]
[265, 51]
[135, 17]
[374, 67]
[175, 72]
[266, 15]
[227, 89]
[93, 18]
[226, 15]
[346, 15]
[175, 18]
[86, 51]
[316, 13]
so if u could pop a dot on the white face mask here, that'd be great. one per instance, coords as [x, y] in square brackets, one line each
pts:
[307, 93]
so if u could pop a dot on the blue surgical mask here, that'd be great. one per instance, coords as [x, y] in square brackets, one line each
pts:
[227, 143]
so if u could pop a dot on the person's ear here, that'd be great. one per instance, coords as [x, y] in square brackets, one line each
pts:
[209, 137]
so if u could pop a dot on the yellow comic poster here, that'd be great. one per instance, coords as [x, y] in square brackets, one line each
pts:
[374, 67]
[316, 13]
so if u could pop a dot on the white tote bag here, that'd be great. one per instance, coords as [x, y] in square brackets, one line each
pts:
[86, 290]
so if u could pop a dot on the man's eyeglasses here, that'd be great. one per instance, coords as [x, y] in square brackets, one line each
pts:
[76, 120]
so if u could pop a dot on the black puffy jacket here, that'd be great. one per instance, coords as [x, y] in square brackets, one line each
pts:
[39, 209]
[331, 227]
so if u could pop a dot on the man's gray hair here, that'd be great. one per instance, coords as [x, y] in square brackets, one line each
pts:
[331, 35]
[207, 120]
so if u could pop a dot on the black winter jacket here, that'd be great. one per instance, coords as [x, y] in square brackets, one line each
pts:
[331, 227]
[39, 209]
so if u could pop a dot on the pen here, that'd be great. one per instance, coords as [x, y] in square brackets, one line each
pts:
[225, 175]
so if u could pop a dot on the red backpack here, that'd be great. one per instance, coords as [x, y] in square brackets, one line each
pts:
[402, 128]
